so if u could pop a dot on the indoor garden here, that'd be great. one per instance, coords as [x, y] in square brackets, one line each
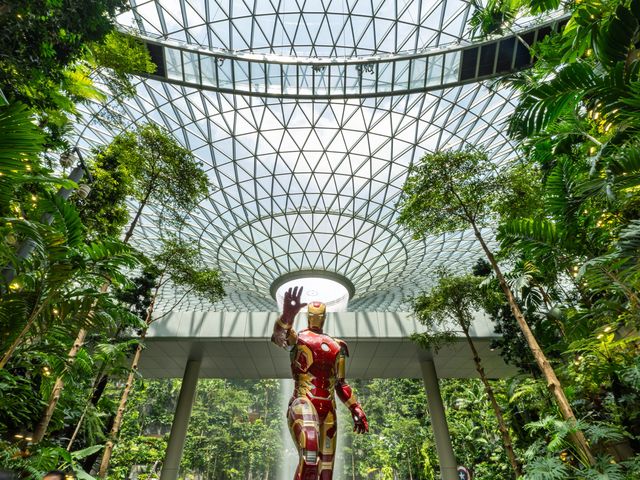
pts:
[160, 159]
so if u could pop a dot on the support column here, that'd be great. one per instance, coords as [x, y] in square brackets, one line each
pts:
[447, 460]
[181, 418]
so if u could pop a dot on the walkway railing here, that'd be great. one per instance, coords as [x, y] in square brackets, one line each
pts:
[321, 78]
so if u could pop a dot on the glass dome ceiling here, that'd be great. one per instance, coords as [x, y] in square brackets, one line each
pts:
[303, 184]
[304, 28]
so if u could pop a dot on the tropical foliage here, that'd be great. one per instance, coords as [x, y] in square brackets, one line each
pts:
[70, 297]
[569, 249]
[50, 50]
[559, 230]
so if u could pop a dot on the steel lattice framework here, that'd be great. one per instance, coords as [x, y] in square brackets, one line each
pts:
[304, 183]
[304, 28]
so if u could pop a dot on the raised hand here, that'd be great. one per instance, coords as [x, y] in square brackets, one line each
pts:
[292, 304]
[360, 424]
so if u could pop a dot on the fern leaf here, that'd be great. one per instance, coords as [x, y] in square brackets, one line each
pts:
[546, 468]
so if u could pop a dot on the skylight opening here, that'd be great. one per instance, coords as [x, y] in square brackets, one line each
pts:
[317, 289]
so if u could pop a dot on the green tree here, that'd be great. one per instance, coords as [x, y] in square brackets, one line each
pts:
[164, 174]
[52, 52]
[452, 190]
[53, 290]
[41, 38]
[234, 430]
[181, 265]
[577, 121]
[474, 428]
[61, 268]
[496, 17]
[116, 57]
[42, 44]
[578, 118]
[105, 212]
[156, 170]
[399, 431]
[456, 299]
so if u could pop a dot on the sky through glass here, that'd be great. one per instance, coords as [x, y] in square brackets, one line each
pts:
[309, 184]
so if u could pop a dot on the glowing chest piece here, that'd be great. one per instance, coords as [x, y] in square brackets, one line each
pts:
[325, 347]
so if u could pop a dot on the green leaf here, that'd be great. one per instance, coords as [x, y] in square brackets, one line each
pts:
[546, 468]
[22, 141]
[544, 102]
[534, 232]
[66, 217]
[82, 475]
[85, 452]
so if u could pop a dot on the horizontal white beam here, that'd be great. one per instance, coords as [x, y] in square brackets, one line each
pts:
[237, 345]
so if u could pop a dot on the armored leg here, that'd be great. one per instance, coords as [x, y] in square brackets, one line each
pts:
[304, 427]
[328, 438]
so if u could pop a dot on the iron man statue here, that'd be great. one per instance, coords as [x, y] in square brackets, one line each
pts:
[318, 368]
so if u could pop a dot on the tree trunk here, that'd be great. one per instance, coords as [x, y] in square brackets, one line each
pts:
[18, 340]
[41, 428]
[553, 384]
[117, 422]
[134, 222]
[353, 464]
[77, 344]
[77, 429]
[99, 385]
[502, 426]
[89, 462]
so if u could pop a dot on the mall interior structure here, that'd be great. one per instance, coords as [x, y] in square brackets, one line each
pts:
[308, 116]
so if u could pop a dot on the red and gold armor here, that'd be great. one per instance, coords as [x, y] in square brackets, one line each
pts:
[318, 369]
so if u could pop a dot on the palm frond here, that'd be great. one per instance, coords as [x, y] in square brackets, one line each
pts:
[545, 102]
[615, 170]
[114, 352]
[619, 270]
[629, 240]
[22, 141]
[538, 235]
[613, 42]
[561, 198]
[66, 217]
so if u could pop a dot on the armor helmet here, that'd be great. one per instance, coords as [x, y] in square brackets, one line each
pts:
[316, 315]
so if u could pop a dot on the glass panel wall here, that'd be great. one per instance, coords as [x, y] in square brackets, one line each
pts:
[174, 64]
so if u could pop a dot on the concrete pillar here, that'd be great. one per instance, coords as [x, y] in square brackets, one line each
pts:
[448, 466]
[171, 465]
